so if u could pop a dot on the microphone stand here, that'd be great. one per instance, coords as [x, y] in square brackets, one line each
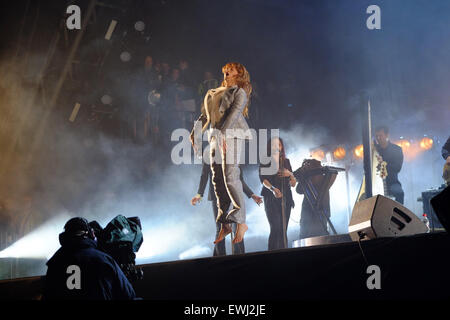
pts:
[283, 201]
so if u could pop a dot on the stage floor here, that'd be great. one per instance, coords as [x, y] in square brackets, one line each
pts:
[412, 267]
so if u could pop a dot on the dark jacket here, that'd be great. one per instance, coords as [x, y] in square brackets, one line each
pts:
[446, 149]
[101, 277]
[207, 176]
[281, 183]
[393, 155]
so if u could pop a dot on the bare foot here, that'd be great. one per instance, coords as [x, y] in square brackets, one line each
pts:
[224, 231]
[241, 229]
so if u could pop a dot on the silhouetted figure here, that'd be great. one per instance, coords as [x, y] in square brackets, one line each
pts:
[446, 155]
[79, 271]
[446, 151]
[278, 200]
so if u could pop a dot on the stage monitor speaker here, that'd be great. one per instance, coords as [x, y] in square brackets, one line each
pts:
[441, 206]
[383, 217]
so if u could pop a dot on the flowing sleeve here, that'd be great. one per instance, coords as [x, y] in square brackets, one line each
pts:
[236, 108]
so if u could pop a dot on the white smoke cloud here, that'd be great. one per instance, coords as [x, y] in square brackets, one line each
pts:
[195, 251]
[40, 243]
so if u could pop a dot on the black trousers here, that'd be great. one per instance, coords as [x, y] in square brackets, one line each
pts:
[396, 190]
[312, 224]
[278, 231]
[220, 248]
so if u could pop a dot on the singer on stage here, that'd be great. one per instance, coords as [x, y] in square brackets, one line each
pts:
[223, 112]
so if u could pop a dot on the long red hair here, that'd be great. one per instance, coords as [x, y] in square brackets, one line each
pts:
[242, 81]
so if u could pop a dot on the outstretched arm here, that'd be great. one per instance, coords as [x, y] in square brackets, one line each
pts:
[248, 192]
[206, 171]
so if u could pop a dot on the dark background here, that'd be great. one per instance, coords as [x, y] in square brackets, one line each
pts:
[316, 55]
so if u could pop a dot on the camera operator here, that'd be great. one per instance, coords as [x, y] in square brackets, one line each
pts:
[78, 270]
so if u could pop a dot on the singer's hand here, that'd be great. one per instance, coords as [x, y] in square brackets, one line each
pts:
[277, 193]
[257, 199]
[194, 200]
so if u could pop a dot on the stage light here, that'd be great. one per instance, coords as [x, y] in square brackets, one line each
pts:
[339, 153]
[358, 152]
[426, 143]
[154, 97]
[411, 149]
[125, 56]
[110, 30]
[404, 144]
[39, 243]
[106, 99]
[318, 154]
[139, 26]
[74, 114]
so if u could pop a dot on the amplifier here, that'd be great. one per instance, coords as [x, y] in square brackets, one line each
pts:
[428, 209]
[383, 217]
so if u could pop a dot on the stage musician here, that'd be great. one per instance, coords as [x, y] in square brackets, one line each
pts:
[392, 154]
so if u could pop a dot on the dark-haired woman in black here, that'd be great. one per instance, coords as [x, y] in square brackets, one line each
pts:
[277, 180]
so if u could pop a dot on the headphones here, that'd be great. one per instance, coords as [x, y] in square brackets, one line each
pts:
[90, 231]
[83, 229]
